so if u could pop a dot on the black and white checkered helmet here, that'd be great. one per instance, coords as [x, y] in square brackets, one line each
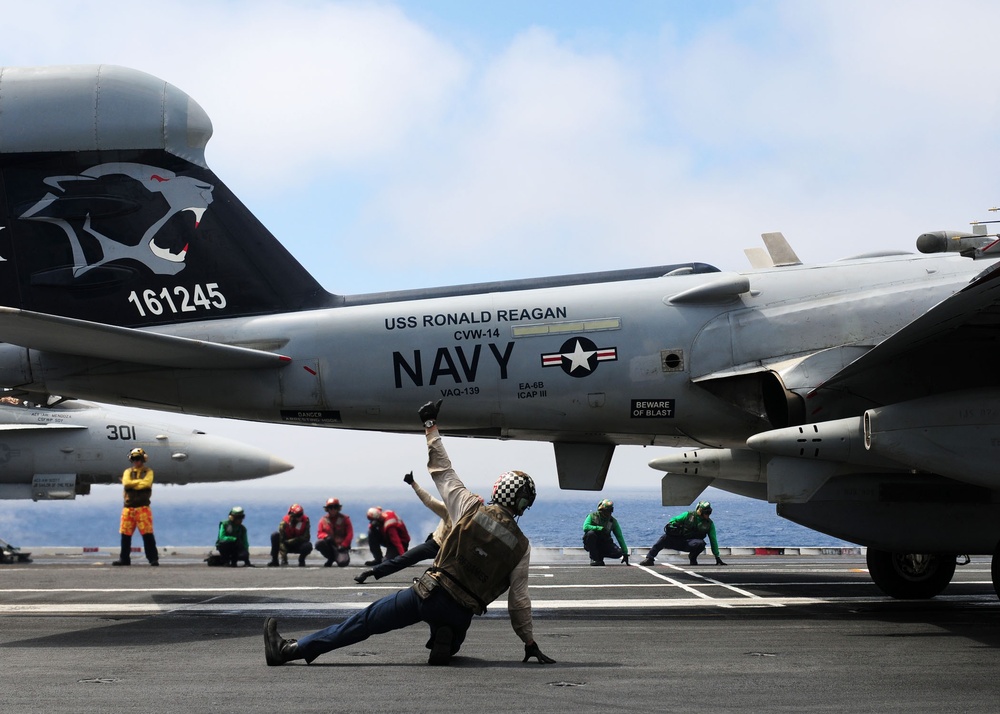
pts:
[515, 490]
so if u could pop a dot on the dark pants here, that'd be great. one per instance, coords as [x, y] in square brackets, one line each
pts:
[341, 556]
[148, 545]
[694, 546]
[232, 553]
[393, 612]
[376, 541]
[600, 546]
[303, 549]
[425, 551]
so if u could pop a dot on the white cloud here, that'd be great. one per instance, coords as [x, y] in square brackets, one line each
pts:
[839, 123]
[294, 90]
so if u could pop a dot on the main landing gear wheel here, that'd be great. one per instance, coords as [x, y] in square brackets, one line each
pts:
[914, 576]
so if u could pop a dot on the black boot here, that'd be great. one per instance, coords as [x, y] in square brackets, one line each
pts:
[278, 650]
[149, 545]
[441, 649]
[693, 559]
[125, 556]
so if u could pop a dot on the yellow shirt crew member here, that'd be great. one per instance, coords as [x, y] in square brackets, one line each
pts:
[138, 483]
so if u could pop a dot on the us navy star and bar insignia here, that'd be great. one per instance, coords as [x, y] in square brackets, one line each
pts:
[579, 357]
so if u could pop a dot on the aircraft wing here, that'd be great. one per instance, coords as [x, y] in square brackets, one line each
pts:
[52, 333]
[952, 346]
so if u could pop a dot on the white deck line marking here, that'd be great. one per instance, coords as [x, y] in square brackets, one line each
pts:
[239, 609]
[141, 609]
[333, 588]
[745, 593]
[676, 583]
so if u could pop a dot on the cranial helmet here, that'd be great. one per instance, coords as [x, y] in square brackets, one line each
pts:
[296, 510]
[332, 503]
[515, 490]
[375, 513]
[237, 511]
[606, 505]
[705, 507]
[137, 453]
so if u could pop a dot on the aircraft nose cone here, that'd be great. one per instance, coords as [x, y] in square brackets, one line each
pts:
[278, 466]
[250, 462]
[207, 458]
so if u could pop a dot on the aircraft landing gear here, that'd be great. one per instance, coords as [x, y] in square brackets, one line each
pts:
[913, 576]
[12, 554]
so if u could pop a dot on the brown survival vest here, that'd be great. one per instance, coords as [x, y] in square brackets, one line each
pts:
[137, 497]
[478, 556]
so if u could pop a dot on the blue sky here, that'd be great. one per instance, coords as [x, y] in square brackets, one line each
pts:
[411, 144]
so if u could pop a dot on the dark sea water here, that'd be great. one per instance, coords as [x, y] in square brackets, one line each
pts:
[189, 516]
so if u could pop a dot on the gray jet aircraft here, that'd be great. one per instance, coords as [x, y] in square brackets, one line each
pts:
[60, 451]
[858, 396]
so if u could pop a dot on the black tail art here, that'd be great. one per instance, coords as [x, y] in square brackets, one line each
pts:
[112, 215]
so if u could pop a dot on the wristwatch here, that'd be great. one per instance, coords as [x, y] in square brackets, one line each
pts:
[429, 423]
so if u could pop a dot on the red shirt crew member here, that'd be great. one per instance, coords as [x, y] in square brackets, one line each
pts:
[334, 535]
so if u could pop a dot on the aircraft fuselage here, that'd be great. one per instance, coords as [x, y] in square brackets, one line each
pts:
[617, 363]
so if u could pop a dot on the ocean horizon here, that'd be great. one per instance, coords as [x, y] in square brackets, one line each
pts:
[185, 516]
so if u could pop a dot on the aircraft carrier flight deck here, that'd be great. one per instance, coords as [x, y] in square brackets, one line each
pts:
[765, 633]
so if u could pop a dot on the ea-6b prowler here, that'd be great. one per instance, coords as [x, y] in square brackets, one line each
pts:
[58, 451]
[858, 396]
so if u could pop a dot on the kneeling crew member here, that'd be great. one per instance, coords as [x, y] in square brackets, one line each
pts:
[686, 532]
[387, 529]
[424, 551]
[334, 535]
[233, 542]
[292, 536]
[597, 530]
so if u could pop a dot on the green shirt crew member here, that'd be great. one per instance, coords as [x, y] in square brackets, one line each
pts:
[686, 532]
[233, 543]
[597, 530]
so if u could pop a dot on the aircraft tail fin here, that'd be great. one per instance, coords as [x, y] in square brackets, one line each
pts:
[780, 250]
[758, 257]
[111, 214]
